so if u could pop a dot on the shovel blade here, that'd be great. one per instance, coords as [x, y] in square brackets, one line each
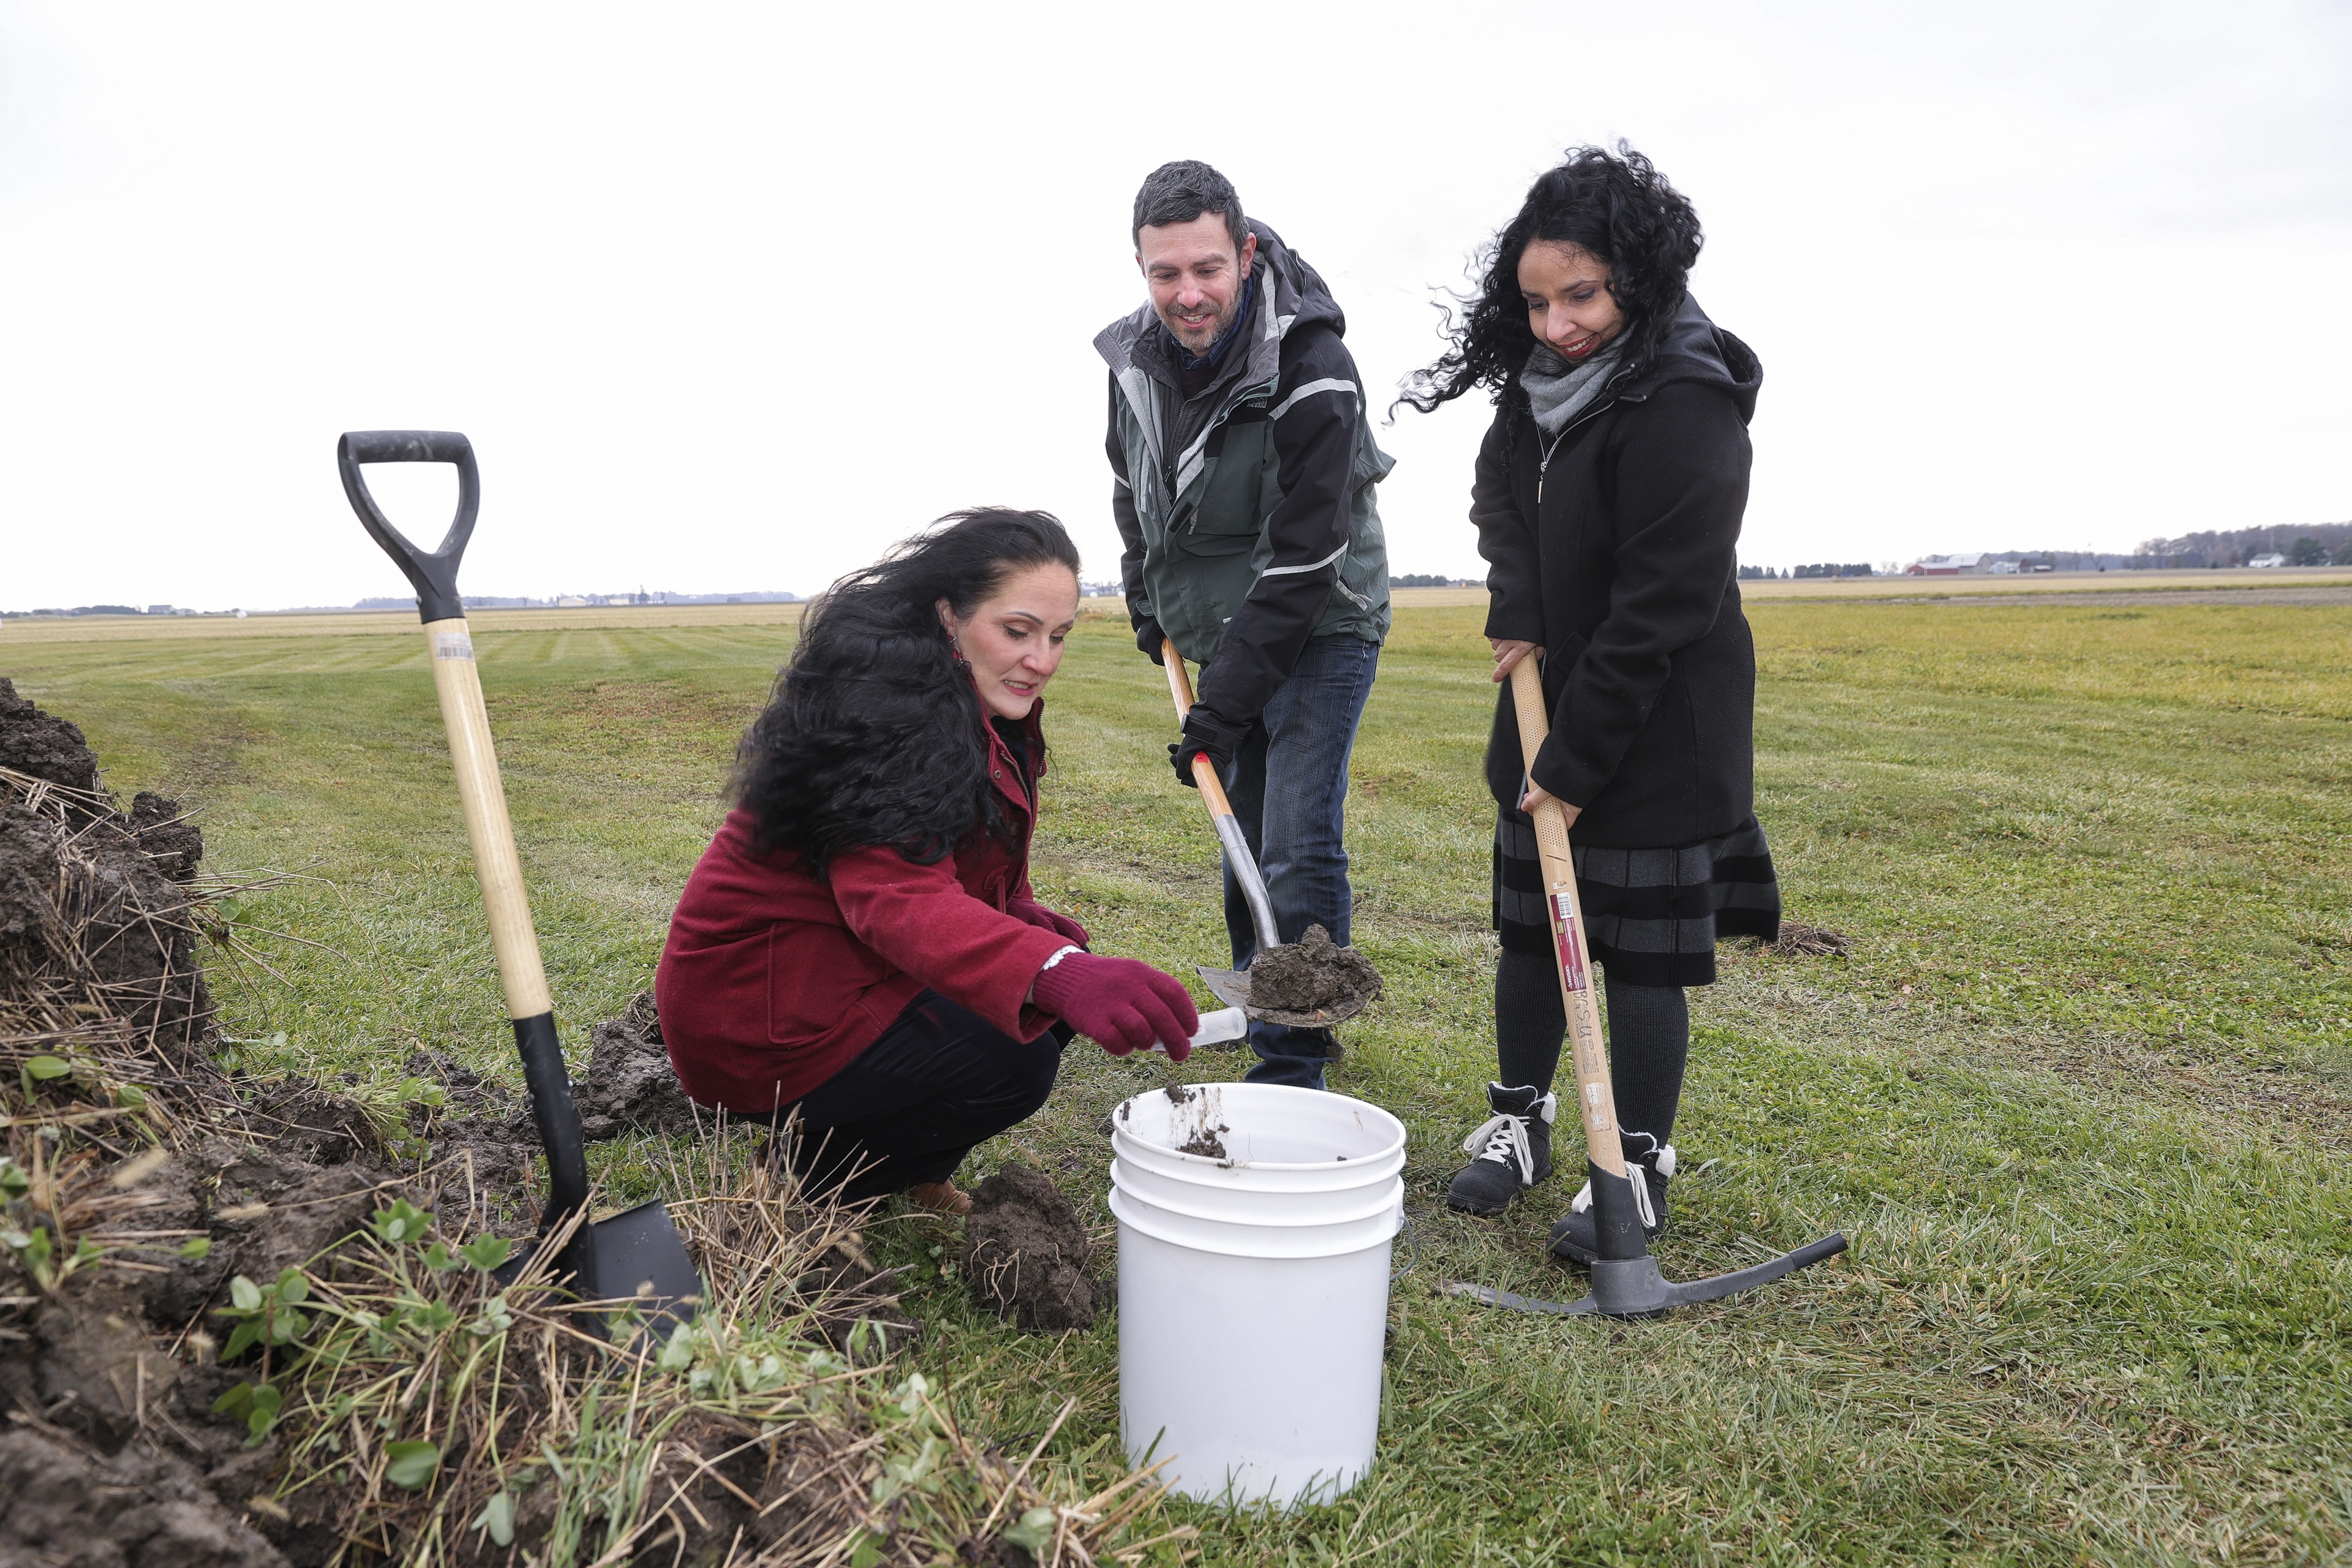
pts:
[641, 1257]
[1232, 986]
[636, 1256]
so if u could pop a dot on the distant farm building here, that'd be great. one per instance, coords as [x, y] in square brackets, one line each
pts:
[1965, 565]
[2272, 559]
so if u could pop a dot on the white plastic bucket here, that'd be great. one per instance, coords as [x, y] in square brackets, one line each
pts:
[1253, 1288]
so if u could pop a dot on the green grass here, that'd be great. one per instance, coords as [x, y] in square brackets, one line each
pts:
[2081, 1094]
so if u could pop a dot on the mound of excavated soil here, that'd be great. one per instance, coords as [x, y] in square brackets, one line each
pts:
[1025, 1252]
[42, 746]
[1311, 975]
[95, 916]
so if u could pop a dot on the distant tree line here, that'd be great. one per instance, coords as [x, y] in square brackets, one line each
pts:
[2311, 544]
[1821, 569]
[1430, 580]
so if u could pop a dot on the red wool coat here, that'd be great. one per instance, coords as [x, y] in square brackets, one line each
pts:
[772, 980]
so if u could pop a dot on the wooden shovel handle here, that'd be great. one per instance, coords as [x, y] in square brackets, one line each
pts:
[1596, 1100]
[1238, 858]
[458, 683]
[1204, 771]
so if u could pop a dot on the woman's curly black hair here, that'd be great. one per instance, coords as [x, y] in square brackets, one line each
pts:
[875, 733]
[1614, 206]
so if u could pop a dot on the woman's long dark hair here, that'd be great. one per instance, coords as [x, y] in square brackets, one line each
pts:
[875, 733]
[1614, 206]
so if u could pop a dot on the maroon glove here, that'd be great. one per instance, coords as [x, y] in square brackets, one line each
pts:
[1123, 1004]
[1044, 919]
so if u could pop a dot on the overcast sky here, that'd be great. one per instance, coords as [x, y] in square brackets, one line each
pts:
[730, 296]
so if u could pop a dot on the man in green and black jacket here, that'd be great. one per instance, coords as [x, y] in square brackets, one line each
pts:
[1244, 467]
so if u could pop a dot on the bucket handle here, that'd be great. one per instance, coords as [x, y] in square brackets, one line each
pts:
[1412, 1250]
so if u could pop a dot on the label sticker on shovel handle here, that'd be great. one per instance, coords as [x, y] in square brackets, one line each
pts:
[1571, 949]
[453, 645]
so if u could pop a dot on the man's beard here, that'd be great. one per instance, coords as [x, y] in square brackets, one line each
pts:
[1212, 328]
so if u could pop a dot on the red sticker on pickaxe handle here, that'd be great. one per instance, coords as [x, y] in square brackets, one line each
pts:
[1571, 949]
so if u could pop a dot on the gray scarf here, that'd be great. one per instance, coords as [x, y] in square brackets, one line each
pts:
[1559, 391]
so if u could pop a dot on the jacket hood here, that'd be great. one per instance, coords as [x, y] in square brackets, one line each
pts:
[1696, 349]
[1291, 294]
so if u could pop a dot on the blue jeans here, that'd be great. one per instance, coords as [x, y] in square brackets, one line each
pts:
[1289, 790]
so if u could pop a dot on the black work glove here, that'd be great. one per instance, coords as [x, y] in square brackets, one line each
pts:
[1148, 638]
[1207, 735]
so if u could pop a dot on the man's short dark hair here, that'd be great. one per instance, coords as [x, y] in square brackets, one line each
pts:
[1182, 191]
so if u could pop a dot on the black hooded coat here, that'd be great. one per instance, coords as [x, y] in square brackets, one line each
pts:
[1614, 548]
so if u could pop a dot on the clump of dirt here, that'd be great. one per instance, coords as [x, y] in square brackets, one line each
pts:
[1204, 1141]
[1025, 1252]
[1312, 974]
[303, 1120]
[629, 1082]
[1179, 1093]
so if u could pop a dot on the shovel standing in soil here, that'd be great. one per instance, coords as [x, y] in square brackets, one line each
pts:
[1626, 1282]
[636, 1255]
[1232, 986]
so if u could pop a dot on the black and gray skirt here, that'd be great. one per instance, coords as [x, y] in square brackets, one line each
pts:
[1652, 916]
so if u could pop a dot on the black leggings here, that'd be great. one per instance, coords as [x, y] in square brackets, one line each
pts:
[1649, 1039]
[910, 1106]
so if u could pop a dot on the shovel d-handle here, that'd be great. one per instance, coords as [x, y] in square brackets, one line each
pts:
[433, 574]
[1221, 812]
[1616, 1215]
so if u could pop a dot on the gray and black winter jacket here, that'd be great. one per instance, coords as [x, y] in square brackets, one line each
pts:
[1247, 509]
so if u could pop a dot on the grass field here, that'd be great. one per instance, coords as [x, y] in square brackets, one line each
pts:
[2082, 1094]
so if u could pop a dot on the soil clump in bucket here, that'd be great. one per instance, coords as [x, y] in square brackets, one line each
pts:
[1312, 974]
[1025, 1252]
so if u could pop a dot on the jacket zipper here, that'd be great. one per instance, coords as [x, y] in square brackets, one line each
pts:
[1543, 464]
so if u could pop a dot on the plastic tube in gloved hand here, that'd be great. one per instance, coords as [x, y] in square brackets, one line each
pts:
[1122, 1004]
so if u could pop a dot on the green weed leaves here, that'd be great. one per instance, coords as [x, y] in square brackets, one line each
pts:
[411, 1464]
[404, 1222]
[1034, 1531]
[497, 1517]
[265, 1314]
[37, 1254]
[487, 1252]
[257, 1405]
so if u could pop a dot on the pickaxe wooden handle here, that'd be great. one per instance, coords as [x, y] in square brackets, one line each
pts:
[1596, 1100]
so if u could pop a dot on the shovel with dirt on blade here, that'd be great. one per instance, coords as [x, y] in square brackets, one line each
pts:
[1307, 983]
[635, 1259]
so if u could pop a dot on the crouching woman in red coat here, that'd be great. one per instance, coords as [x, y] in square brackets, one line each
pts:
[860, 944]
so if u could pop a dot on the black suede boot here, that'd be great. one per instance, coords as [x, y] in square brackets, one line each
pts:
[1572, 1237]
[1513, 1150]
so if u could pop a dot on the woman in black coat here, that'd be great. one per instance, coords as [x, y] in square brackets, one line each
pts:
[1608, 502]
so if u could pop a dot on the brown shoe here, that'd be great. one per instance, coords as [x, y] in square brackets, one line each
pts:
[939, 1197]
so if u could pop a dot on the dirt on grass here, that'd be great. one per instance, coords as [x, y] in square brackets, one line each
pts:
[1313, 974]
[1025, 1252]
